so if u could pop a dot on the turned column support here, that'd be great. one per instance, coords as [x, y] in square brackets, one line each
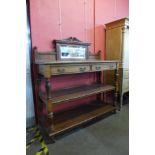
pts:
[50, 116]
[98, 74]
[48, 88]
[47, 75]
[116, 84]
[49, 104]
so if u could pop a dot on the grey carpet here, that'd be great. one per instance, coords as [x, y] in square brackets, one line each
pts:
[108, 136]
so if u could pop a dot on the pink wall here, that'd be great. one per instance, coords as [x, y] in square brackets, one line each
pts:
[105, 12]
[59, 19]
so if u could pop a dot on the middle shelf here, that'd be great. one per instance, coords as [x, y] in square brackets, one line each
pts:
[73, 93]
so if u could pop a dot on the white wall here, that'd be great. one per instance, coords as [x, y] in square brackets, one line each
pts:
[30, 115]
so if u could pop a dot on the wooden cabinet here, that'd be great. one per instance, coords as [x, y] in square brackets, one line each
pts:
[56, 123]
[45, 67]
[117, 40]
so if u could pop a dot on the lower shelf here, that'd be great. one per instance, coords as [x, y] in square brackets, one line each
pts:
[71, 118]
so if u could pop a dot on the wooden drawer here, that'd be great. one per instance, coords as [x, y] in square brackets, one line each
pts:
[126, 74]
[69, 69]
[100, 67]
[110, 66]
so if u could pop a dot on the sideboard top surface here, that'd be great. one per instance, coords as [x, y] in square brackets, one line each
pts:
[76, 62]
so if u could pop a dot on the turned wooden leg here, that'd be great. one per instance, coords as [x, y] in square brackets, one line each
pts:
[99, 96]
[116, 84]
[48, 88]
[50, 115]
[49, 105]
[50, 121]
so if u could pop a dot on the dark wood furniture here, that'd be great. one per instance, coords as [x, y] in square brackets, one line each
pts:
[47, 67]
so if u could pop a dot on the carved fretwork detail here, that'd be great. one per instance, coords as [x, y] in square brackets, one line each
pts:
[71, 40]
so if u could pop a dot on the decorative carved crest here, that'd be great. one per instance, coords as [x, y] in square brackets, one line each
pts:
[71, 40]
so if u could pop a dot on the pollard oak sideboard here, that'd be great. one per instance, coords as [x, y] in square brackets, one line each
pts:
[46, 67]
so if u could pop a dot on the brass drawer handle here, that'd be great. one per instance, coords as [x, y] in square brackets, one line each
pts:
[111, 66]
[98, 67]
[82, 69]
[61, 70]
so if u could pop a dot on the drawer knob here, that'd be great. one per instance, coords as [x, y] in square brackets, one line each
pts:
[82, 69]
[61, 70]
[98, 67]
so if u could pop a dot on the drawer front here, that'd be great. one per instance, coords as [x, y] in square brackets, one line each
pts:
[126, 74]
[110, 66]
[70, 69]
[125, 85]
[100, 67]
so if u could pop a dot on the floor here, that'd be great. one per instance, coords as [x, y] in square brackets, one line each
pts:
[107, 136]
